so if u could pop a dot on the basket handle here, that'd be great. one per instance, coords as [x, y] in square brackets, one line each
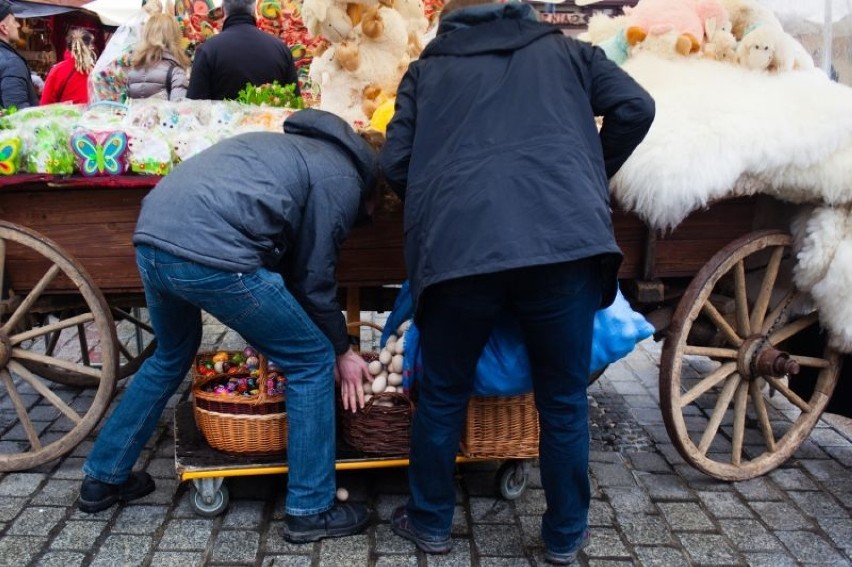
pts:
[386, 395]
[355, 326]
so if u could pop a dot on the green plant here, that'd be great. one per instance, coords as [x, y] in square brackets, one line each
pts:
[271, 94]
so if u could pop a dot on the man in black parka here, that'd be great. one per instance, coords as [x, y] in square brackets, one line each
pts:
[239, 54]
[494, 148]
[16, 84]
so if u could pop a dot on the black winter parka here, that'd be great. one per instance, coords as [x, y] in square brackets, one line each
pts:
[239, 54]
[494, 148]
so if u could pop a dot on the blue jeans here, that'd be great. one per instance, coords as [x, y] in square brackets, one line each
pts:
[555, 305]
[258, 306]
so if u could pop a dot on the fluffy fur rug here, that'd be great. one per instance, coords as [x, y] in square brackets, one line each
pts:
[722, 131]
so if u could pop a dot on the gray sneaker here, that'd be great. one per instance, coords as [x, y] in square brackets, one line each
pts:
[401, 525]
[567, 558]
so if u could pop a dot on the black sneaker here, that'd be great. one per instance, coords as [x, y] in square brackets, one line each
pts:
[344, 519]
[96, 495]
[570, 557]
[401, 525]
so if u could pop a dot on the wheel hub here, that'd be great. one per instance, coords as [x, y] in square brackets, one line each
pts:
[758, 357]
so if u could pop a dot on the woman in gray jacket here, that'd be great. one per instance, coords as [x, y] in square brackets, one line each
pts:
[159, 63]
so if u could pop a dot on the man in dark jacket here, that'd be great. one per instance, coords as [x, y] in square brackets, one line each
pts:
[16, 84]
[494, 148]
[215, 235]
[240, 54]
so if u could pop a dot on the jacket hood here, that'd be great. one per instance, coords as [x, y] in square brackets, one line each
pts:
[487, 28]
[322, 125]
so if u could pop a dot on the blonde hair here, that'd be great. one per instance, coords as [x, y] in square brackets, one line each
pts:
[80, 43]
[160, 35]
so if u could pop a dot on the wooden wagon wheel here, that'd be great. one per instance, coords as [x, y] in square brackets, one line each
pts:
[39, 419]
[135, 343]
[728, 407]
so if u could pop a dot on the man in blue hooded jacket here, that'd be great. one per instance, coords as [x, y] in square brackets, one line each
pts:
[216, 235]
[494, 149]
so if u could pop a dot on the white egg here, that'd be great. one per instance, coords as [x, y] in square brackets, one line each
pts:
[391, 339]
[390, 389]
[342, 494]
[385, 356]
[396, 363]
[379, 384]
[399, 346]
[394, 379]
[375, 367]
[368, 397]
[402, 329]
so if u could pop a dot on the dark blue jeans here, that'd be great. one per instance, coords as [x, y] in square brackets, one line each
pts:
[555, 305]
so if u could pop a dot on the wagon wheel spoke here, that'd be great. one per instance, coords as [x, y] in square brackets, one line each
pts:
[31, 298]
[793, 398]
[22, 354]
[717, 318]
[135, 320]
[778, 312]
[741, 300]
[2, 260]
[811, 361]
[21, 410]
[51, 329]
[740, 408]
[793, 328]
[762, 415]
[711, 352]
[761, 304]
[711, 380]
[719, 410]
[46, 392]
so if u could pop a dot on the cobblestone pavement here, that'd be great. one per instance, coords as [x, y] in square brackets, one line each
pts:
[649, 507]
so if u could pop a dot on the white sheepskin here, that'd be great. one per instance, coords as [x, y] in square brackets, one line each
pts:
[722, 131]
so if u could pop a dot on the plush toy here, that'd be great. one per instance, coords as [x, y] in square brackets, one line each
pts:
[669, 27]
[769, 48]
[719, 43]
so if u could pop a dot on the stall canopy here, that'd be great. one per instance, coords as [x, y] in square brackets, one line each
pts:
[116, 12]
[44, 8]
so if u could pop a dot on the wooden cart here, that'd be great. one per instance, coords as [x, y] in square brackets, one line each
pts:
[71, 287]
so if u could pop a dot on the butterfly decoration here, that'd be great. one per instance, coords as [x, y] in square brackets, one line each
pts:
[10, 156]
[100, 153]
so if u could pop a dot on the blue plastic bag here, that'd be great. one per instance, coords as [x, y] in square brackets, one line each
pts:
[504, 367]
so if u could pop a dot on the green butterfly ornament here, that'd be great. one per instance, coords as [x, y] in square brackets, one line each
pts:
[10, 156]
[100, 153]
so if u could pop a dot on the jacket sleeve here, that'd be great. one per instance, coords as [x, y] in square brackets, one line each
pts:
[627, 109]
[200, 87]
[327, 219]
[396, 152]
[51, 84]
[15, 86]
[179, 84]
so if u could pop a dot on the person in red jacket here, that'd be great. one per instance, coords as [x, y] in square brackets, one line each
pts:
[68, 80]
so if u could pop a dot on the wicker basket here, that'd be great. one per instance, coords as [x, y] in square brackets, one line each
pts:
[501, 427]
[255, 425]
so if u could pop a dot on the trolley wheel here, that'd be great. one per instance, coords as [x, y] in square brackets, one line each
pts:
[39, 418]
[719, 402]
[209, 503]
[512, 478]
[135, 342]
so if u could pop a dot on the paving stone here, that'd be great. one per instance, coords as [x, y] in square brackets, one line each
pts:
[389, 542]
[501, 540]
[664, 486]
[275, 543]
[61, 559]
[236, 547]
[600, 513]
[531, 502]
[840, 531]
[124, 550]
[780, 515]
[606, 543]
[685, 516]
[389, 561]
[645, 530]
[792, 479]
[10, 507]
[139, 520]
[819, 505]
[649, 462]
[16, 551]
[724, 505]
[78, 535]
[531, 531]
[629, 501]
[826, 437]
[658, 556]
[820, 469]
[36, 521]
[758, 489]
[354, 550]
[769, 560]
[57, 493]
[842, 455]
[178, 559]
[502, 562]
[750, 535]
[459, 556]
[708, 549]
[612, 475]
[243, 514]
[21, 484]
[186, 534]
[809, 547]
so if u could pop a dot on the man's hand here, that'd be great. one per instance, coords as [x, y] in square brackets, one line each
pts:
[350, 371]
